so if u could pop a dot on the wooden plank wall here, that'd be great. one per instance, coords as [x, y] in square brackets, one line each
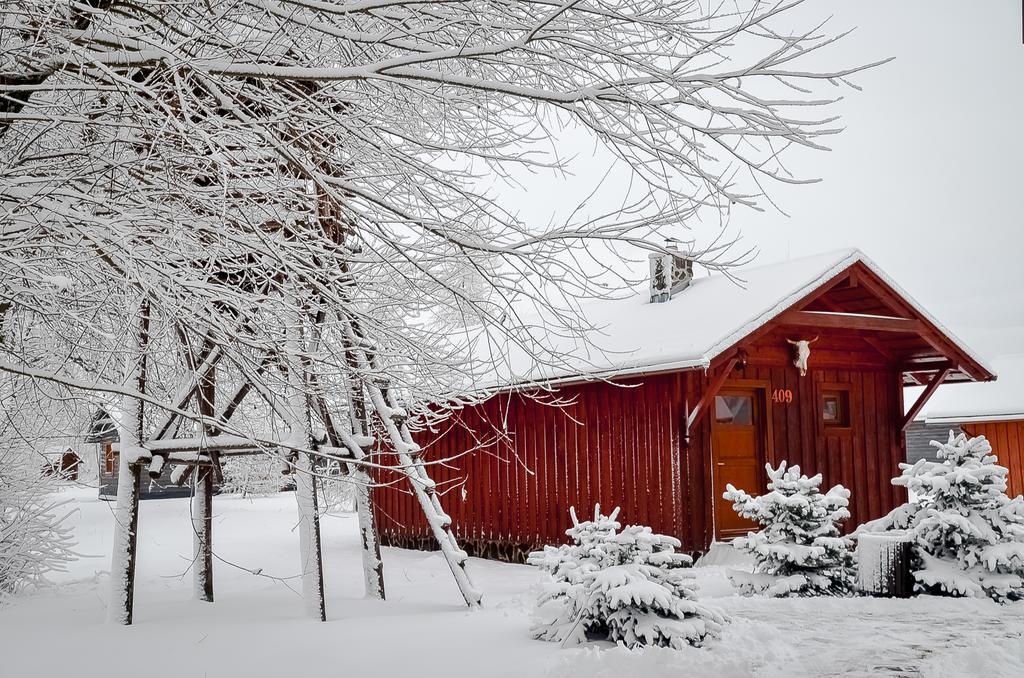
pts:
[1007, 440]
[613, 445]
[863, 459]
[511, 467]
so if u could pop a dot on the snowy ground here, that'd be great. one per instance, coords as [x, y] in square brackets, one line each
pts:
[257, 627]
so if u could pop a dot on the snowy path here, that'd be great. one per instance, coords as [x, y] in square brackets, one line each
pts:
[257, 628]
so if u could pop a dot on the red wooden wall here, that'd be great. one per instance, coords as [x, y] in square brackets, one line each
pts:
[622, 445]
[1007, 440]
[613, 445]
[863, 459]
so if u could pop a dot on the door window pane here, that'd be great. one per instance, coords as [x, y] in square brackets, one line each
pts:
[736, 410]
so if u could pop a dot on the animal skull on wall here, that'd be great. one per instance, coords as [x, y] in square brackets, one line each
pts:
[801, 352]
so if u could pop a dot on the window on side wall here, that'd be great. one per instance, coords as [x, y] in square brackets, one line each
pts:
[834, 407]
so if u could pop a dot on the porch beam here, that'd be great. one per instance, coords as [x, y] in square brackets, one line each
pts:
[223, 443]
[925, 396]
[698, 412]
[851, 321]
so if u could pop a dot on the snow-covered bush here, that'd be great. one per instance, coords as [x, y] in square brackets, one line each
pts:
[629, 587]
[801, 550]
[968, 535]
[34, 539]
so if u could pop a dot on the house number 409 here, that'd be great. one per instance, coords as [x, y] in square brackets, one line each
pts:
[782, 395]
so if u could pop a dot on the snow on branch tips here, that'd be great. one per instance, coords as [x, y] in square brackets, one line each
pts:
[315, 142]
[968, 535]
[628, 586]
[313, 189]
[800, 550]
[34, 537]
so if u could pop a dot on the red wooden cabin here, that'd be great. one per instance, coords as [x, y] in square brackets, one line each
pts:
[694, 393]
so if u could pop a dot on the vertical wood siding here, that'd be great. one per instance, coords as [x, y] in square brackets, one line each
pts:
[863, 459]
[613, 445]
[510, 468]
[1007, 440]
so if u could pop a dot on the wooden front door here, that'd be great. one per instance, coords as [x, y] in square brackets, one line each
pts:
[737, 451]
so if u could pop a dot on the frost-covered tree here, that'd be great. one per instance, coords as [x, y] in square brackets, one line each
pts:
[629, 587]
[968, 535]
[302, 194]
[800, 549]
[34, 537]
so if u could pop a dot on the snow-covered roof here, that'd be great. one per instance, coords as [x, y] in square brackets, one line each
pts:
[690, 330]
[985, 401]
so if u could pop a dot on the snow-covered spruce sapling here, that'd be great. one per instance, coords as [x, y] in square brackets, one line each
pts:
[629, 587]
[800, 550]
[968, 535]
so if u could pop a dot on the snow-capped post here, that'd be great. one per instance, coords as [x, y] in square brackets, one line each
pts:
[801, 550]
[968, 535]
[629, 587]
[126, 513]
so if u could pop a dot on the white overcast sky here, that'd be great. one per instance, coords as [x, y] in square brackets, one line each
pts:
[927, 176]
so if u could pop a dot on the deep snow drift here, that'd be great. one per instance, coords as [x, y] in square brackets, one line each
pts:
[257, 626]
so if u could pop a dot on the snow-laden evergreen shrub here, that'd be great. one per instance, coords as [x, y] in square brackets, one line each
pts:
[968, 535]
[629, 587]
[801, 550]
[34, 537]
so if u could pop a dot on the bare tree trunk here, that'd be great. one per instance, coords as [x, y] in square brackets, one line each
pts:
[126, 524]
[301, 437]
[126, 518]
[202, 499]
[373, 566]
[309, 538]
[202, 535]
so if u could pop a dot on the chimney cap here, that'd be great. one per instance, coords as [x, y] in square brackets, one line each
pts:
[671, 243]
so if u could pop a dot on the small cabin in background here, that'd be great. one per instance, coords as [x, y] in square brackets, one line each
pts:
[102, 433]
[995, 411]
[701, 382]
[62, 462]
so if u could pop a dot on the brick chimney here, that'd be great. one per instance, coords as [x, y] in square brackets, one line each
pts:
[671, 272]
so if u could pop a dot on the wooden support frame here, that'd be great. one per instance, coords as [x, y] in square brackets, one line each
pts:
[704, 404]
[925, 396]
